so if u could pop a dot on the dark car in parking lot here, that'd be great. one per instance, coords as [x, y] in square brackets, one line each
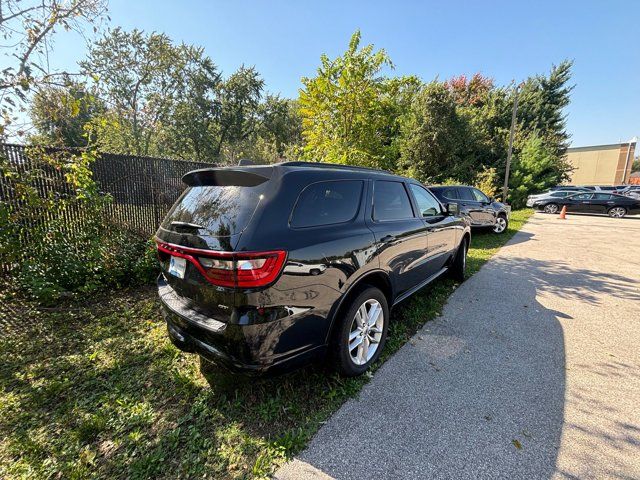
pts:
[481, 210]
[610, 203]
[268, 267]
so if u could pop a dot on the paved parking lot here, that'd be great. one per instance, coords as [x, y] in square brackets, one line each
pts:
[532, 371]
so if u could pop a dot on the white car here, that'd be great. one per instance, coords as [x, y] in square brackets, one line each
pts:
[531, 199]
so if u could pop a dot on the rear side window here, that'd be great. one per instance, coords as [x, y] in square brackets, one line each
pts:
[391, 201]
[583, 196]
[451, 193]
[326, 203]
[602, 196]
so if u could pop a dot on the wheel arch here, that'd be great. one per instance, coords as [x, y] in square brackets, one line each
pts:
[376, 278]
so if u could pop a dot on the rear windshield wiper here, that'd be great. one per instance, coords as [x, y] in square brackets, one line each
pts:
[195, 226]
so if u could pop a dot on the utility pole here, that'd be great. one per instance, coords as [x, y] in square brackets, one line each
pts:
[505, 188]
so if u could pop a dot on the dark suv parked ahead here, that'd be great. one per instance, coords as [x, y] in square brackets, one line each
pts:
[481, 210]
[268, 267]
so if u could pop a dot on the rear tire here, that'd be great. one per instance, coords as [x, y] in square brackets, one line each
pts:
[459, 266]
[617, 212]
[361, 334]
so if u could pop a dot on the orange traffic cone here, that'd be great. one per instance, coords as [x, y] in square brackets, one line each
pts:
[563, 213]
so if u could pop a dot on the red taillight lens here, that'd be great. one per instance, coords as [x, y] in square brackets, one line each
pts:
[232, 269]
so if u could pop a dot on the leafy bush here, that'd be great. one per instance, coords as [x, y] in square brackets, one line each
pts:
[487, 181]
[60, 244]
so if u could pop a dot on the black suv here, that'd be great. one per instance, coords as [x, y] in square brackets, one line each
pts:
[268, 267]
[481, 210]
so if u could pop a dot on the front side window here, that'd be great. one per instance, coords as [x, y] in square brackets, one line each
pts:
[451, 193]
[326, 203]
[427, 204]
[465, 194]
[390, 201]
[582, 196]
[479, 196]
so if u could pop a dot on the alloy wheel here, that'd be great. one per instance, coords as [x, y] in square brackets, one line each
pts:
[501, 224]
[551, 208]
[617, 212]
[366, 332]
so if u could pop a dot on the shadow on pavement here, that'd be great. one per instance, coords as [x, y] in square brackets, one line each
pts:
[478, 393]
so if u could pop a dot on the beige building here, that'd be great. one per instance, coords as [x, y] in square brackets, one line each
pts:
[601, 164]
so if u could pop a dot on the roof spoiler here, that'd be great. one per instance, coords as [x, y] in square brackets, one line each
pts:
[224, 177]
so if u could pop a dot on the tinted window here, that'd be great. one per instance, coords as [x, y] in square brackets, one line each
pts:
[465, 194]
[451, 193]
[479, 196]
[602, 196]
[325, 203]
[221, 211]
[427, 204]
[582, 196]
[559, 194]
[390, 201]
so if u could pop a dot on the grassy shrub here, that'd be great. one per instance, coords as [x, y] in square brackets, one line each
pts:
[57, 241]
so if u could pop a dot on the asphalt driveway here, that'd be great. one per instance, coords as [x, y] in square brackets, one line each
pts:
[532, 371]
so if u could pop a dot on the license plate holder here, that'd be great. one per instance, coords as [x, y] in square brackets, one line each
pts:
[177, 266]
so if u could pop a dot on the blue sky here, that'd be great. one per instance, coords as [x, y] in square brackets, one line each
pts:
[504, 40]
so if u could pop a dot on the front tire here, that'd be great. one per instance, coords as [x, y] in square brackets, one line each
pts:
[501, 224]
[617, 212]
[551, 208]
[362, 333]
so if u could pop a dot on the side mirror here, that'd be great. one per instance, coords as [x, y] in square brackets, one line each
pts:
[452, 208]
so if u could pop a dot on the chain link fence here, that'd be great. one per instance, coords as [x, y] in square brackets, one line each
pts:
[142, 188]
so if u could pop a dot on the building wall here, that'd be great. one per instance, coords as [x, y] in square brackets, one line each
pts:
[600, 165]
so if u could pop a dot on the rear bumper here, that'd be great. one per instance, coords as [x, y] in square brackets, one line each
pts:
[249, 348]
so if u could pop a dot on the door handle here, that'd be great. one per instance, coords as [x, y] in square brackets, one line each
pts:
[388, 239]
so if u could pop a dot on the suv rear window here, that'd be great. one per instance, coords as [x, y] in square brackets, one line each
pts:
[220, 210]
[391, 201]
[326, 203]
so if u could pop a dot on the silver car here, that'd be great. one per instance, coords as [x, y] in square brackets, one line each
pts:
[531, 199]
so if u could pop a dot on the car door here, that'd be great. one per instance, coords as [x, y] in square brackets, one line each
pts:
[580, 202]
[474, 208]
[441, 229]
[401, 236]
[488, 212]
[600, 203]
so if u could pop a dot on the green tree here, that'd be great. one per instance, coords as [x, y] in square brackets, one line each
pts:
[239, 98]
[433, 136]
[27, 28]
[541, 106]
[535, 169]
[280, 128]
[59, 114]
[343, 115]
[141, 78]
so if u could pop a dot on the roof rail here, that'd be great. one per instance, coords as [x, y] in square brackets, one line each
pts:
[332, 165]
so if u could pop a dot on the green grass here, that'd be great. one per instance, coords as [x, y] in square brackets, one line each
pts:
[99, 392]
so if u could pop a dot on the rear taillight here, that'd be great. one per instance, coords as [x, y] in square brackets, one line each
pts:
[231, 269]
